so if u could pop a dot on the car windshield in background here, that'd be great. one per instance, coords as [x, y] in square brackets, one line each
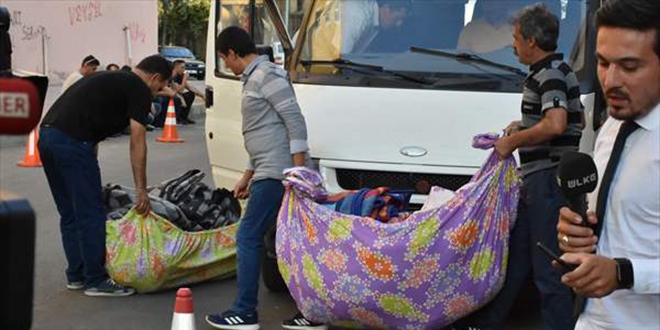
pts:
[390, 34]
[177, 52]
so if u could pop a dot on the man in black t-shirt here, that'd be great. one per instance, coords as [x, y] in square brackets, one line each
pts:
[95, 108]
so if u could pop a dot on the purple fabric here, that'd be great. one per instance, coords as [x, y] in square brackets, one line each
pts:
[423, 273]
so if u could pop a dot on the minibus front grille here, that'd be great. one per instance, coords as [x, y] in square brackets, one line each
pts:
[419, 182]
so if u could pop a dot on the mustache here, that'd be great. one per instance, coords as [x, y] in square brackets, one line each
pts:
[617, 93]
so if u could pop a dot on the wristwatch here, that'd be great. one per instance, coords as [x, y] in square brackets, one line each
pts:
[625, 278]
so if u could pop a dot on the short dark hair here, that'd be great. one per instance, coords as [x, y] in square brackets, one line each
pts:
[538, 23]
[177, 62]
[107, 67]
[236, 39]
[396, 4]
[156, 64]
[640, 15]
[90, 60]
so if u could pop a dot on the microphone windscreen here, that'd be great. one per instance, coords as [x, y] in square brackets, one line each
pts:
[577, 174]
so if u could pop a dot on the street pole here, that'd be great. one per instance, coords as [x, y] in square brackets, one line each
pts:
[129, 51]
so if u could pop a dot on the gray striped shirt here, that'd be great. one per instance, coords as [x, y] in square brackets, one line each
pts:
[273, 126]
[551, 83]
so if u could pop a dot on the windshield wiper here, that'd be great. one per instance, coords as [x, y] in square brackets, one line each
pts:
[468, 58]
[340, 62]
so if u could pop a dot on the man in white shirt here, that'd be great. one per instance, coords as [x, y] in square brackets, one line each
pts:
[363, 20]
[622, 277]
[490, 32]
[88, 66]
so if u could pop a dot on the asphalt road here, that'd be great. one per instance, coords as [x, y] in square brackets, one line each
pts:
[57, 308]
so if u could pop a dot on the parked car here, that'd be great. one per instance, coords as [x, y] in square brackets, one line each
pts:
[194, 67]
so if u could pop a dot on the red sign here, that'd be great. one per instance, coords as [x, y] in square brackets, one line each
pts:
[20, 109]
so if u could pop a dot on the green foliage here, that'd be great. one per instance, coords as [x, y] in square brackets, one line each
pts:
[184, 22]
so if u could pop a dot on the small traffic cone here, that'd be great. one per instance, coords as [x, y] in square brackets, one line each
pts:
[31, 158]
[169, 130]
[184, 317]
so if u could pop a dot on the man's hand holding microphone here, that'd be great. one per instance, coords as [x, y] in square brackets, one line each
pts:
[594, 276]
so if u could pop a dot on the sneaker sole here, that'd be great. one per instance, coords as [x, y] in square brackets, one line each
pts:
[108, 294]
[75, 287]
[304, 327]
[233, 327]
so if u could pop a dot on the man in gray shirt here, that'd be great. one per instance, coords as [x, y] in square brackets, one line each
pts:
[275, 138]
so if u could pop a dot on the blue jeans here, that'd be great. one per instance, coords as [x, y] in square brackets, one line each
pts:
[260, 214]
[75, 181]
[538, 213]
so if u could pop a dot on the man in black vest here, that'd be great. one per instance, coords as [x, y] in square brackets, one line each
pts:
[95, 108]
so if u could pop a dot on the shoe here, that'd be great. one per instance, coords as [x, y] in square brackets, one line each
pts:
[109, 288]
[149, 127]
[299, 322]
[234, 321]
[77, 285]
[190, 121]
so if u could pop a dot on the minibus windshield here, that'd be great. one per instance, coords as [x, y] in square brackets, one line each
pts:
[389, 34]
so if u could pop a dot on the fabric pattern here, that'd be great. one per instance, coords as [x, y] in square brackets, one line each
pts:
[382, 203]
[424, 273]
[151, 254]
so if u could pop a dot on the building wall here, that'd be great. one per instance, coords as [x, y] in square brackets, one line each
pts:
[76, 28]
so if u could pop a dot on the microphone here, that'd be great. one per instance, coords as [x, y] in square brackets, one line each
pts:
[20, 106]
[577, 176]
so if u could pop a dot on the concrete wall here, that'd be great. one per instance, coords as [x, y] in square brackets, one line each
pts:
[76, 28]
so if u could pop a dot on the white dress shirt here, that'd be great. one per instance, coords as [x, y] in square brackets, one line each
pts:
[482, 36]
[70, 80]
[631, 228]
[359, 25]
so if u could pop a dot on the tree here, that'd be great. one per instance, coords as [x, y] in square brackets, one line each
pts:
[184, 22]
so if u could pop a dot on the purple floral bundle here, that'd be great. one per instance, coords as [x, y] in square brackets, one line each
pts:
[423, 273]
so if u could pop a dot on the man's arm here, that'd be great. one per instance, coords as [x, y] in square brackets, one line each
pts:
[299, 159]
[192, 88]
[279, 93]
[166, 92]
[138, 153]
[551, 126]
[597, 276]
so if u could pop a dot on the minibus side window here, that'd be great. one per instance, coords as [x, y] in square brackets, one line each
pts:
[230, 13]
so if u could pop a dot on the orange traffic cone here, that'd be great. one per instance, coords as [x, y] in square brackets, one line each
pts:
[169, 130]
[31, 158]
[184, 317]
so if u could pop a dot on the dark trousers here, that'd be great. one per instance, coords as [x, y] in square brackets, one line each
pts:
[75, 181]
[181, 111]
[184, 112]
[260, 214]
[538, 213]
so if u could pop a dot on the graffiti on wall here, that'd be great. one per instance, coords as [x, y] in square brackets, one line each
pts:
[85, 12]
[16, 17]
[24, 30]
[138, 34]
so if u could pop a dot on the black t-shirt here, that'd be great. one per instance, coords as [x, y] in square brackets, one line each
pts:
[177, 79]
[100, 105]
